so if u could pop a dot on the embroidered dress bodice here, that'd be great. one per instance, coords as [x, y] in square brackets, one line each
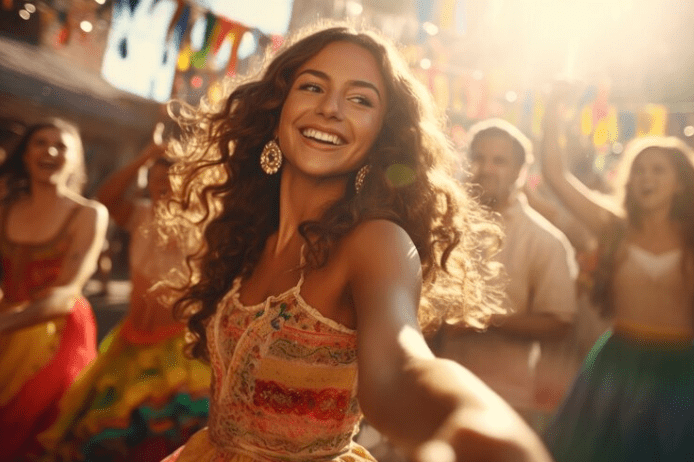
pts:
[650, 290]
[28, 268]
[284, 381]
[31, 267]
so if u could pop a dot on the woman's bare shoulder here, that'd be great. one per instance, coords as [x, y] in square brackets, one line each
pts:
[380, 244]
[377, 233]
[89, 210]
[379, 228]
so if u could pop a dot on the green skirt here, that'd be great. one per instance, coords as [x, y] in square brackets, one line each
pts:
[632, 401]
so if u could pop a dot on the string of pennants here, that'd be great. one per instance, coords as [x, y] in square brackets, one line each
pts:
[70, 14]
[472, 96]
[218, 29]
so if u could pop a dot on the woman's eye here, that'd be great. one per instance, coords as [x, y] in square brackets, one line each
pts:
[363, 100]
[312, 87]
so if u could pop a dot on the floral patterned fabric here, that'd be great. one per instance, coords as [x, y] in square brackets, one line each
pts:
[284, 385]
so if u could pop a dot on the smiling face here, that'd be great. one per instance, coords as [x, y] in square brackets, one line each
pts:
[495, 168]
[653, 182]
[48, 156]
[333, 112]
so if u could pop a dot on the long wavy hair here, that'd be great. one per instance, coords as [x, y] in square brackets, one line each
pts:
[15, 174]
[681, 157]
[221, 192]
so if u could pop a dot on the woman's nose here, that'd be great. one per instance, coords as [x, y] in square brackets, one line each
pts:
[330, 106]
[53, 151]
[486, 166]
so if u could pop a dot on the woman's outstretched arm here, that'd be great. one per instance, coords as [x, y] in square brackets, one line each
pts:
[111, 193]
[584, 204]
[422, 403]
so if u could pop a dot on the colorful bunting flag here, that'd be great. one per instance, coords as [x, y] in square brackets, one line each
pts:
[452, 15]
[626, 121]
[184, 57]
[652, 120]
[199, 59]
[236, 31]
[179, 23]
[586, 120]
[64, 31]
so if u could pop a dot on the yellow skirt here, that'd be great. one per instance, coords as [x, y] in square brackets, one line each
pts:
[24, 352]
[167, 390]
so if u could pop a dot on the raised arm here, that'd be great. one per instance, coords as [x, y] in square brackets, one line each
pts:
[111, 193]
[585, 205]
[415, 399]
[88, 232]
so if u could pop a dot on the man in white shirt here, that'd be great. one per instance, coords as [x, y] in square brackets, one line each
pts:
[518, 355]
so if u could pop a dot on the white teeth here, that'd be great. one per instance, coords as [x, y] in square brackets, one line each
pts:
[322, 136]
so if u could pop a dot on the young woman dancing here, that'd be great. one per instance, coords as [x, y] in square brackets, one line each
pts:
[50, 239]
[141, 398]
[633, 399]
[329, 216]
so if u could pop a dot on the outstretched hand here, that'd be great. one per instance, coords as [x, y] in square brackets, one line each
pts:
[491, 438]
[435, 451]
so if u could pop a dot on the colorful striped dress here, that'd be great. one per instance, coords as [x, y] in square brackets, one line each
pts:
[284, 385]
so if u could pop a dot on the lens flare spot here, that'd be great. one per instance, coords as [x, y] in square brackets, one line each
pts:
[400, 175]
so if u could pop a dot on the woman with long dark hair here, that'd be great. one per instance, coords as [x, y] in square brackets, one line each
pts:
[50, 239]
[332, 233]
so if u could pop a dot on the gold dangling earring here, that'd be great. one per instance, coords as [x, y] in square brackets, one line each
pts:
[271, 158]
[361, 176]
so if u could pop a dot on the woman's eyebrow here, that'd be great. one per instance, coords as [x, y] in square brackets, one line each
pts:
[357, 83]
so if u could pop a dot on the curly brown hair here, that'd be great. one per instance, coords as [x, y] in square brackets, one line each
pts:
[217, 179]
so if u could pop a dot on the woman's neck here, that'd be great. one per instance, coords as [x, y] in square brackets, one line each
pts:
[658, 232]
[303, 199]
[657, 221]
